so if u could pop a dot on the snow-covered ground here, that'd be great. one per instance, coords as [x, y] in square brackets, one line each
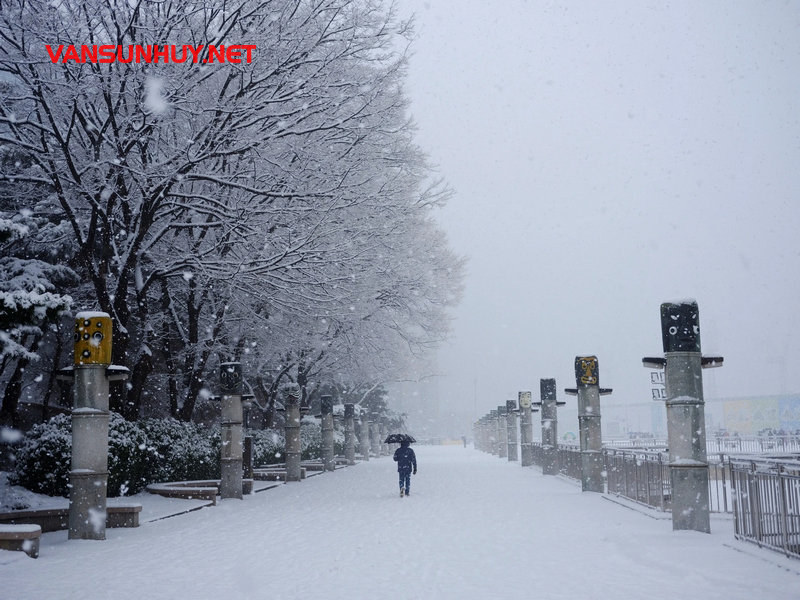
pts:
[474, 527]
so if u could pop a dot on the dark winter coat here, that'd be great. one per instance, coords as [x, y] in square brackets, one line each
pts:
[406, 459]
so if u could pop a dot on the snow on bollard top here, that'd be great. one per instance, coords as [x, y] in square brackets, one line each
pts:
[92, 338]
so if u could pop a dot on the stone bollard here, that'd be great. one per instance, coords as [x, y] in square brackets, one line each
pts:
[525, 429]
[511, 430]
[327, 433]
[364, 439]
[247, 466]
[686, 428]
[503, 431]
[494, 436]
[294, 447]
[375, 442]
[588, 390]
[549, 426]
[90, 373]
[384, 435]
[231, 430]
[349, 434]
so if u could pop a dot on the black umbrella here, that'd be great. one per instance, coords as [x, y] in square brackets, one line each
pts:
[397, 438]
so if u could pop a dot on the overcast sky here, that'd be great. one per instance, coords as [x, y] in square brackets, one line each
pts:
[608, 157]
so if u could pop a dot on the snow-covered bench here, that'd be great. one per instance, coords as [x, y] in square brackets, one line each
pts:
[190, 490]
[274, 474]
[21, 537]
[118, 514]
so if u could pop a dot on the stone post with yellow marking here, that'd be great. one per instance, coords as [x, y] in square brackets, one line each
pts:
[91, 372]
[587, 379]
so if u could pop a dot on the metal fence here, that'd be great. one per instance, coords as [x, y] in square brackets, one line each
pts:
[639, 475]
[766, 499]
[726, 445]
[642, 475]
[762, 492]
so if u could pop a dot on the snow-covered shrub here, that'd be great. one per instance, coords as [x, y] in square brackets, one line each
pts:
[269, 446]
[128, 467]
[139, 453]
[310, 438]
[43, 458]
[180, 451]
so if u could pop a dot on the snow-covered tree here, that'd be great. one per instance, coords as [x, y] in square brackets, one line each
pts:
[274, 211]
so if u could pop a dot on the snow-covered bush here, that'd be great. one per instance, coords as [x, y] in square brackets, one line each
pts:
[180, 451]
[310, 438]
[128, 467]
[269, 446]
[43, 458]
[138, 454]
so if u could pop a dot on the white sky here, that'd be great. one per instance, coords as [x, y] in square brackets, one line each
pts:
[608, 157]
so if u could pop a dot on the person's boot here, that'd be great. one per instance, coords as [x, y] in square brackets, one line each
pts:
[401, 492]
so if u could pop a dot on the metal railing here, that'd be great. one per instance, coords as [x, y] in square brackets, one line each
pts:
[766, 500]
[639, 475]
[642, 475]
[726, 445]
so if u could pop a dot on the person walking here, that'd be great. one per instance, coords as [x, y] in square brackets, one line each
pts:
[406, 461]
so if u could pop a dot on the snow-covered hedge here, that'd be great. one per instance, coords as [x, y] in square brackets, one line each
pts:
[144, 452]
[138, 454]
[269, 445]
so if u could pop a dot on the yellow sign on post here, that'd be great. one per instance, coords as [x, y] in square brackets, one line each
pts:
[92, 338]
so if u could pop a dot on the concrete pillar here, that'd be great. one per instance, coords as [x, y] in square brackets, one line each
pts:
[384, 435]
[525, 429]
[375, 443]
[231, 430]
[588, 390]
[327, 433]
[349, 434]
[88, 478]
[511, 428]
[549, 426]
[365, 436]
[502, 430]
[292, 431]
[494, 436]
[686, 429]
[247, 466]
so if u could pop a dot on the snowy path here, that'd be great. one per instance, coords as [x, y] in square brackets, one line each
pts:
[475, 527]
